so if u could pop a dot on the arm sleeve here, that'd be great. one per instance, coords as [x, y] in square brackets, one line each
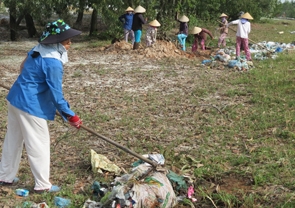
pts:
[121, 18]
[208, 32]
[141, 19]
[235, 22]
[54, 74]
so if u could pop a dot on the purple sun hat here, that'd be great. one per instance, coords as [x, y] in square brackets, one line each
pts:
[56, 32]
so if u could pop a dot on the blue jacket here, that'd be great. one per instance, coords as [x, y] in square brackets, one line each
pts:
[38, 88]
[127, 19]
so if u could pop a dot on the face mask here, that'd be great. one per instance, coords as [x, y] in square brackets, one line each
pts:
[244, 20]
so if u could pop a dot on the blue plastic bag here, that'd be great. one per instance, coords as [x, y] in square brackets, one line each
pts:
[61, 202]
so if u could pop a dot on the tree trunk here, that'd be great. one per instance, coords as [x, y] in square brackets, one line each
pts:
[78, 23]
[12, 22]
[30, 25]
[93, 23]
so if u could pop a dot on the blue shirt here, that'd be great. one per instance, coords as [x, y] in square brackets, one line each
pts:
[38, 88]
[127, 19]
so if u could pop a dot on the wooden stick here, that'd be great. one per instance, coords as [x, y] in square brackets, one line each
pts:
[125, 149]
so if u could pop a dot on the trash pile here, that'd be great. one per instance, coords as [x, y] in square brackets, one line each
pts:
[223, 58]
[144, 187]
[264, 50]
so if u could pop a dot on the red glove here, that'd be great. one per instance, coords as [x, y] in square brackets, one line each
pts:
[75, 121]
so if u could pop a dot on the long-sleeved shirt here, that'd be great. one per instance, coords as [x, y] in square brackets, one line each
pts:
[138, 21]
[223, 27]
[127, 19]
[203, 34]
[183, 28]
[243, 29]
[38, 88]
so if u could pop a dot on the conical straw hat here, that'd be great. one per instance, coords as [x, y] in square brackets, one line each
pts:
[196, 30]
[223, 15]
[184, 19]
[129, 9]
[247, 16]
[139, 9]
[155, 23]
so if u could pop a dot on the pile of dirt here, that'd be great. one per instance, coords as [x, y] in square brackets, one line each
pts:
[161, 49]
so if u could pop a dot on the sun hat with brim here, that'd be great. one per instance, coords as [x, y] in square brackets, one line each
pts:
[223, 15]
[139, 9]
[196, 30]
[129, 9]
[247, 16]
[56, 32]
[184, 19]
[155, 23]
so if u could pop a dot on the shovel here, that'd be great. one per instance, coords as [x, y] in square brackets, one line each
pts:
[125, 149]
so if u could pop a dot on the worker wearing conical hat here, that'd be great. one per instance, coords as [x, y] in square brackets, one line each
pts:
[200, 35]
[243, 30]
[223, 30]
[183, 30]
[127, 20]
[138, 21]
[151, 32]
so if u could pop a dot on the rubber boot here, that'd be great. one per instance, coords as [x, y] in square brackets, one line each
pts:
[135, 46]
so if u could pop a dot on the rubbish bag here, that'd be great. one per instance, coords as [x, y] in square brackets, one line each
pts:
[159, 194]
[154, 191]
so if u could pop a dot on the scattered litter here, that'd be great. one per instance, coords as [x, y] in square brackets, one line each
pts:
[34, 205]
[22, 192]
[91, 204]
[61, 202]
[179, 180]
[100, 162]
[190, 193]
[206, 61]
[281, 32]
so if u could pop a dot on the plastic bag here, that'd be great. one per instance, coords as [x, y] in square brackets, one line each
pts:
[159, 194]
[100, 162]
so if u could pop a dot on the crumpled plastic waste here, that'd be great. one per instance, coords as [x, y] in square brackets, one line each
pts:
[206, 61]
[179, 180]
[100, 162]
[28, 204]
[241, 64]
[190, 193]
[222, 56]
[61, 202]
[91, 204]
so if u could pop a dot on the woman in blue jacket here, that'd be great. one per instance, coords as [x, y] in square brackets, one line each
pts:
[127, 20]
[32, 100]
